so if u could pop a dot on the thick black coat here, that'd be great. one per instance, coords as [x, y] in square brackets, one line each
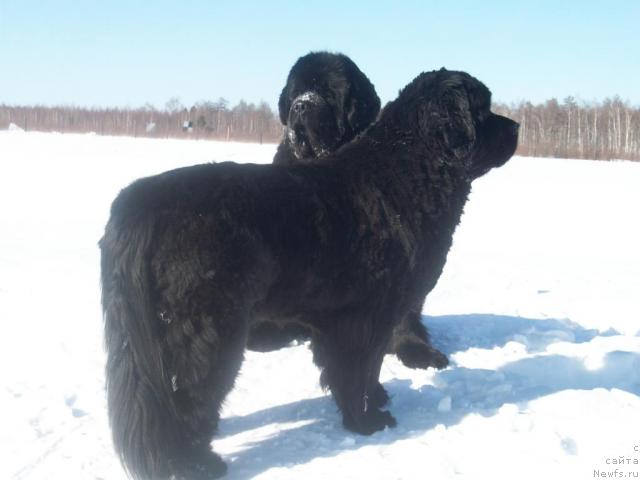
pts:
[326, 101]
[347, 246]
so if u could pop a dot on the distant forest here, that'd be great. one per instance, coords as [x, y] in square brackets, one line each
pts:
[205, 120]
[600, 131]
[569, 129]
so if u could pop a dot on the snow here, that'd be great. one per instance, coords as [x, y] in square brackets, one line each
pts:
[537, 308]
[14, 128]
[309, 96]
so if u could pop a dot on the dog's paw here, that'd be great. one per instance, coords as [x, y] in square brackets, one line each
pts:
[439, 359]
[420, 355]
[371, 421]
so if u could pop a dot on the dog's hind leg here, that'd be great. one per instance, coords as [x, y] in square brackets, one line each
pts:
[205, 337]
[208, 275]
[175, 339]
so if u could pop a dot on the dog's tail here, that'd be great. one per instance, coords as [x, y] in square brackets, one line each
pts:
[139, 394]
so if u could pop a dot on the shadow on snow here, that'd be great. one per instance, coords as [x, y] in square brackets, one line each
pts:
[478, 391]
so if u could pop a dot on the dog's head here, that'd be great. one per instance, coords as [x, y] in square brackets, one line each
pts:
[325, 103]
[454, 119]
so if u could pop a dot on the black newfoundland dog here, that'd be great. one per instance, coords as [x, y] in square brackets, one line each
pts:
[325, 103]
[347, 245]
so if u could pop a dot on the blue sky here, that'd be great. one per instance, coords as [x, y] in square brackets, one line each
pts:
[127, 53]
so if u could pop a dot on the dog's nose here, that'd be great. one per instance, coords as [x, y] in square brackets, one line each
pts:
[300, 106]
[515, 127]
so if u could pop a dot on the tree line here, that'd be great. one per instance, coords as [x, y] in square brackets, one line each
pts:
[598, 130]
[208, 120]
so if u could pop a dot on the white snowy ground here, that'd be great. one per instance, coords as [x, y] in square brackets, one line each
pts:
[538, 309]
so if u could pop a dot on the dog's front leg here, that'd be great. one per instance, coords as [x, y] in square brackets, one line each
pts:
[351, 372]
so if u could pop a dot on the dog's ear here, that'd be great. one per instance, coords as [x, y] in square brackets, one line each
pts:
[284, 104]
[446, 121]
[363, 107]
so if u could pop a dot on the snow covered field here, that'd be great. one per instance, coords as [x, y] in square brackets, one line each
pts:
[538, 309]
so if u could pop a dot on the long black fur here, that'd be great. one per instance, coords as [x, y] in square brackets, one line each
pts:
[347, 247]
[325, 102]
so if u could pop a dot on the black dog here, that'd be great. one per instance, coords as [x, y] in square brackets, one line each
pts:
[325, 103]
[347, 246]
